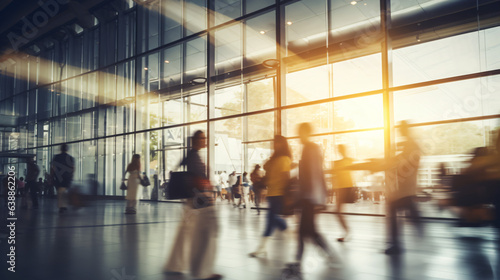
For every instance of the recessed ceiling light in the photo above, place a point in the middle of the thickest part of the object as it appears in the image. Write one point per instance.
(262, 32)
(166, 61)
(354, 2)
(145, 68)
(289, 22)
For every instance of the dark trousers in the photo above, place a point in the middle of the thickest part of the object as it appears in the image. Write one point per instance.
(408, 204)
(307, 228)
(257, 196)
(273, 218)
(32, 188)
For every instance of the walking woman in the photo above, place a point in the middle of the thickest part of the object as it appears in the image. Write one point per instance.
(133, 170)
(277, 174)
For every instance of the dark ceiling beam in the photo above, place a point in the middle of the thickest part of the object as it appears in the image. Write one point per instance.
(76, 11)
(15, 12)
(4, 4)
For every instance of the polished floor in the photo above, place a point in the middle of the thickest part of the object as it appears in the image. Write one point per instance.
(99, 242)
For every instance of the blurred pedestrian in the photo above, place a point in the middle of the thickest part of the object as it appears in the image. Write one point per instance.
(196, 239)
(343, 187)
(278, 174)
(312, 193)
(258, 186)
(61, 174)
(231, 181)
(20, 187)
(134, 177)
(245, 189)
(31, 184)
(401, 193)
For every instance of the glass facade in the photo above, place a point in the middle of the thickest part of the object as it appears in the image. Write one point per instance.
(146, 76)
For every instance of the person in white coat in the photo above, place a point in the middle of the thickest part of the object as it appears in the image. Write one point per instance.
(133, 170)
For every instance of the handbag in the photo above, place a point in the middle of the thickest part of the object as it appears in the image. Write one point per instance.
(350, 195)
(123, 186)
(291, 197)
(181, 185)
(145, 181)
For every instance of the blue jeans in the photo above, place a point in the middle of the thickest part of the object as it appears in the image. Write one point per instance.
(273, 220)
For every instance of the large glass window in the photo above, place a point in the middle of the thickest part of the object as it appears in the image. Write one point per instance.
(330, 73)
(454, 100)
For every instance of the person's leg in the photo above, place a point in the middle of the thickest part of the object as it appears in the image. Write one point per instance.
(244, 196)
(62, 198)
(204, 244)
(300, 246)
(271, 216)
(415, 215)
(304, 230)
(178, 258)
(393, 207)
(340, 203)
(270, 225)
(257, 201)
(32, 188)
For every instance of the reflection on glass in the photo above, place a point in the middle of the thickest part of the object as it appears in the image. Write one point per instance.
(226, 10)
(260, 41)
(455, 100)
(228, 101)
(195, 59)
(172, 20)
(254, 5)
(260, 95)
(448, 57)
(195, 16)
(260, 127)
(357, 75)
(228, 145)
(320, 116)
(228, 49)
(307, 85)
(195, 107)
(358, 113)
(306, 26)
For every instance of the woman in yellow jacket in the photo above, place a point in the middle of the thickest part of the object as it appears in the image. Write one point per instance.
(277, 175)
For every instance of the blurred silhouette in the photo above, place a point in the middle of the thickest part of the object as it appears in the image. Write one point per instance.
(197, 232)
(31, 184)
(345, 191)
(216, 184)
(258, 186)
(237, 192)
(232, 179)
(477, 187)
(402, 189)
(277, 176)
(224, 186)
(245, 189)
(20, 187)
(41, 187)
(61, 174)
(312, 193)
(134, 175)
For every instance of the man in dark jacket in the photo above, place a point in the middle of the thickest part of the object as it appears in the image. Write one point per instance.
(62, 170)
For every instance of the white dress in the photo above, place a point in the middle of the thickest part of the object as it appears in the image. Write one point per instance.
(133, 185)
